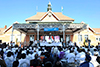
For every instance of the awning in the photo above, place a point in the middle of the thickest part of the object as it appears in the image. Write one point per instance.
(30, 27)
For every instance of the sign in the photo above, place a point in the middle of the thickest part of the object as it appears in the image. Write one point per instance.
(51, 29)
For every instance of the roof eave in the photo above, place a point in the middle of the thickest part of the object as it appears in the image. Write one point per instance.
(7, 29)
(97, 33)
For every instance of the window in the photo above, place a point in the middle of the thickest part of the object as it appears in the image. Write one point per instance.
(67, 38)
(79, 38)
(96, 39)
(12, 37)
(86, 36)
(18, 38)
(31, 37)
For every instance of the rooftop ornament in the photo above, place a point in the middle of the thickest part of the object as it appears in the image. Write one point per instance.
(49, 6)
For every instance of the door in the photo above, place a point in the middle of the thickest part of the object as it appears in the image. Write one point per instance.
(67, 38)
(31, 37)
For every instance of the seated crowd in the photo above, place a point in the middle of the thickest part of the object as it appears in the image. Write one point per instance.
(47, 56)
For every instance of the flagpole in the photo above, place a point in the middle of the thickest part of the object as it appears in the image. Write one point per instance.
(36, 9)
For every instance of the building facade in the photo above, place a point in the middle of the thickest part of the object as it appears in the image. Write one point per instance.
(50, 24)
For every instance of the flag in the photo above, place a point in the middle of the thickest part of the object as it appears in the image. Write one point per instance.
(62, 8)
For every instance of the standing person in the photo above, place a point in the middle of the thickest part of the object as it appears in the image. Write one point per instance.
(20, 44)
(71, 43)
(64, 43)
(38, 43)
(99, 48)
(94, 57)
(71, 58)
(2, 62)
(0, 43)
(23, 62)
(31, 42)
(9, 59)
(87, 62)
(48, 58)
(98, 60)
(11, 43)
(34, 43)
(35, 62)
(88, 41)
(15, 63)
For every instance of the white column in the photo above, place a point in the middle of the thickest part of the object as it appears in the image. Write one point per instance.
(25, 40)
(12, 34)
(20, 36)
(38, 32)
(63, 32)
(87, 28)
(78, 39)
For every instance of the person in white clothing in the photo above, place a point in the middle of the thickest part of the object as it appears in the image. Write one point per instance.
(78, 57)
(98, 60)
(20, 44)
(13, 43)
(71, 43)
(87, 62)
(9, 59)
(29, 55)
(34, 54)
(93, 60)
(23, 62)
(55, 50)
(82, 58)
(67, 52)
(71, 58)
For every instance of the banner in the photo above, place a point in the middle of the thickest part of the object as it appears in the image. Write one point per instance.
(51, 29)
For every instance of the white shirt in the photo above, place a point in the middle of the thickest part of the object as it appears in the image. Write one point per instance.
(19, 45)
(71, 57)
(71, 44)
(91, 65)
(58, 53)
(55, 50)
(9, 61)
(75, 50)
(93, 61)
(39, 53)
(29, 57)
(67, 52)
(13, 44)
(11, 58)
(33, 55)
(78, 56)
(23, 60)
(82, 58)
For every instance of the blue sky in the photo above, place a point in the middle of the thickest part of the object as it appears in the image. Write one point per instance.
(80, 10)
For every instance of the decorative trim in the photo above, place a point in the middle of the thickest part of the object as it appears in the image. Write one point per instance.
(47, 14)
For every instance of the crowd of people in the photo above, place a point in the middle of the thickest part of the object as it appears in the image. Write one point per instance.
(49, 56)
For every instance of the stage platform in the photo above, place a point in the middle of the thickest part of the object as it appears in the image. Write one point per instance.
(50, 44)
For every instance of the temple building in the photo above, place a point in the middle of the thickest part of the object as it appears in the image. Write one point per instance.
(50, 25)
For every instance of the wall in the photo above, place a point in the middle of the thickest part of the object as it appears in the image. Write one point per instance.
(91, 36)
(6, 37)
